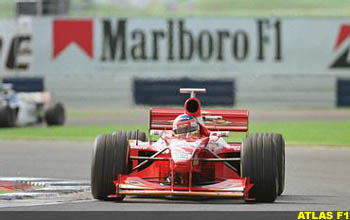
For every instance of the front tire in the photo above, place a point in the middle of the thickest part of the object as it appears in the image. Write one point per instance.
(279, 145)
(8, 117)
(259, 163)
(109, 159)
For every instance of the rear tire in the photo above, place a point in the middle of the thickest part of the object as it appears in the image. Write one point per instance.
(259, 163)
(8, 117)
(55, 115)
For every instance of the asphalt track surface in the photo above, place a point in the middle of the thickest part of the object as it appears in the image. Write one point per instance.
(317, 178)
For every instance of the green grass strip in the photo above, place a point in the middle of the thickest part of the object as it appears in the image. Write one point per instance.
(6, 191)
(244, 8)
(329, 133)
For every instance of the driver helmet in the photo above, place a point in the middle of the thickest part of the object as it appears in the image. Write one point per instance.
(184, 124)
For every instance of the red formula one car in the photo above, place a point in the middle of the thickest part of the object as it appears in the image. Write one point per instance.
(191, 157)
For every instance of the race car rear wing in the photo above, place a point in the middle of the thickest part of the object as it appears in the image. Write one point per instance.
(214, 120)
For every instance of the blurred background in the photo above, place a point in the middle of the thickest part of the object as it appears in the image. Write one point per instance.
(286, 8)
(108, 61)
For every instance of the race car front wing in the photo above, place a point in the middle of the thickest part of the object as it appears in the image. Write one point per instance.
(131, 185)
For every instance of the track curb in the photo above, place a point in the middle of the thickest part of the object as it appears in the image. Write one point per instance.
(43, 187)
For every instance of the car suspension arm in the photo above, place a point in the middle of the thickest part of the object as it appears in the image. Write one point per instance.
(150, 158)
(222, 159)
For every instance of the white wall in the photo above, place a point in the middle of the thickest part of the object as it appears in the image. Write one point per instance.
(298, 74)
(286, 91)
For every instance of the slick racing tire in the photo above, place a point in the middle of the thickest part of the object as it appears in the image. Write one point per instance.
(109, 159)
(259, 163)
(55, 115)
(279, 145)
(7, 117)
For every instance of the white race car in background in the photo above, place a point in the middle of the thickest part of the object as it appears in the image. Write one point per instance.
(28, 107)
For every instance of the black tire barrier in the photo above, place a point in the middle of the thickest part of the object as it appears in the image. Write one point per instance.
(166, 92)
(343, 92)
(26, 84)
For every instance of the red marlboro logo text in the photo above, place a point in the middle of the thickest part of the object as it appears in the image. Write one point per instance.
(343, 60)
(344, 33)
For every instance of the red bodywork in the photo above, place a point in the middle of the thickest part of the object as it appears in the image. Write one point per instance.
(201, 165)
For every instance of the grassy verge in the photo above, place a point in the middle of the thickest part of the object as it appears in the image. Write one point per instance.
(6, 191)
(329, 133)
(244, 8)
(290, 8)
(3, 191)
(76, 133)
